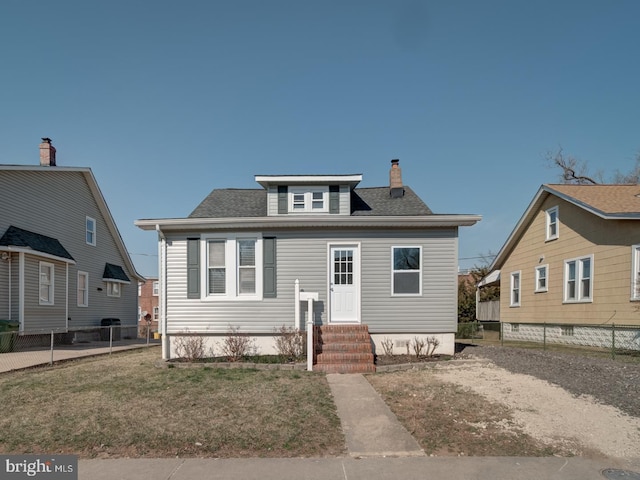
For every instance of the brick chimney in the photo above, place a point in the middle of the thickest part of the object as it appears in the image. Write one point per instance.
(47, 153)
(396, 190)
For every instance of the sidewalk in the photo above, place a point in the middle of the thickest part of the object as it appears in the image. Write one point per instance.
(371, 468)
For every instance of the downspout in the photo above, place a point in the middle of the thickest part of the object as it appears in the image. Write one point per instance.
(9, 314)
(21, 290)
(66, 316)
(162, 303)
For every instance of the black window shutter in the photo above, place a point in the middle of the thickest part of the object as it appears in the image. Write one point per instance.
(269, 287)
(193, 268)
(283, 203)
(334, 199)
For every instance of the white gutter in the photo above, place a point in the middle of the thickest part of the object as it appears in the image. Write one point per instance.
(308, 221)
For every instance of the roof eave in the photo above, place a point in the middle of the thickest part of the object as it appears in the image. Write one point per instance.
(267, 180)
(329, 221)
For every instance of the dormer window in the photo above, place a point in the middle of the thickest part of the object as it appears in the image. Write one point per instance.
(308, 199)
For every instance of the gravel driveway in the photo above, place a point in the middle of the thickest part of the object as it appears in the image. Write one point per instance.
(612, 382)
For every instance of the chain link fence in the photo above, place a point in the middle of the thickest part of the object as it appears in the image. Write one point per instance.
(617, 339)
(613, 338)
(45, 347)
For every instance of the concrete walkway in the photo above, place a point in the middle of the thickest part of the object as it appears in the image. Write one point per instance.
(370, 427)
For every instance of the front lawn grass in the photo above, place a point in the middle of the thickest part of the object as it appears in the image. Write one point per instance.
(122, 405)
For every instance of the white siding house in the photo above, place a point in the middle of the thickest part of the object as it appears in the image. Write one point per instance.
(376, 256)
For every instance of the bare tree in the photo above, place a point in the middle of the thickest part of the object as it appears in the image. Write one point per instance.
(632, 177)
(573, 170)
(576, 171)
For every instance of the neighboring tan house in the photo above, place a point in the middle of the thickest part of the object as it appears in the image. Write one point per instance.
(378, 258)
(148, 305)
(63, 264)
(573, 260)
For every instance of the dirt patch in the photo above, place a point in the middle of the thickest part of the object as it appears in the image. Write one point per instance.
(447, 419)
(548, 412)
(565, 404)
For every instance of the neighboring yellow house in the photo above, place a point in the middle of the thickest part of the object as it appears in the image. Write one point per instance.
(573, 260)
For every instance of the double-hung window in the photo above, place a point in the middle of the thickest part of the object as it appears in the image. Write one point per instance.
(156, 288)
(234, 268)
(217, 269)
(246, 262)
(406, 273)
(83, 289)
(541, 278)
(91, 231)
(552, 223)
(578, 279)
(515, 290)
(47, 283)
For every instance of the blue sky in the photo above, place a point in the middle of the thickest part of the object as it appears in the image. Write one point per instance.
(168, 100)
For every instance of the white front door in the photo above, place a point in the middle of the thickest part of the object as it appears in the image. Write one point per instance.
(344, 283)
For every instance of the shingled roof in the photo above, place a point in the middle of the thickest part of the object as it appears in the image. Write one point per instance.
(17, 237)
(236, 203)
(241, 203)
(377, 201)
(606, 199)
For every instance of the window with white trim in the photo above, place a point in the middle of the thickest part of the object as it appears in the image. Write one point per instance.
(541, 278)
(234, 268)
(406, 270)
(578, 279)
(156, 313)
(156, 288)
(217, 269)
(552, 226)
(515, 289)
(308, 199)
(246, 266)
(83, 289)
(635, 272)
(113, 289)
(90, 231)
(46, 283)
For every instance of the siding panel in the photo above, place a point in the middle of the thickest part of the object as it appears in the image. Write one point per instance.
(304, 256)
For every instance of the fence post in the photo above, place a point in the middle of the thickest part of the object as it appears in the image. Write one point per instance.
(544, 336)
(613, 341)
(51, 361)
(110, 339)
(502, 334)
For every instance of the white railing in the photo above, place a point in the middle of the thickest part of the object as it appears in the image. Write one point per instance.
(309, 297)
